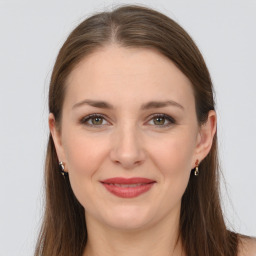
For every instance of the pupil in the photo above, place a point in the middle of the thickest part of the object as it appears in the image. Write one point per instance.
(159, 120)
(97, 120)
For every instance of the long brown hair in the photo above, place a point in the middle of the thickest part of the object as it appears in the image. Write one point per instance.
(202, 227)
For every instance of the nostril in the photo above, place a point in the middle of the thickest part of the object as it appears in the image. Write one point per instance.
(127, 153)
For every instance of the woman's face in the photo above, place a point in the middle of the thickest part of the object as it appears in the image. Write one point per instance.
(129, 113)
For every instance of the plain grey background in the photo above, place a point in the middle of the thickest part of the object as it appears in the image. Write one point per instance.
(31, 33)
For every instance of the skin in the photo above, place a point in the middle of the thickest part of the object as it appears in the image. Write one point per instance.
(130, 142)
(247, 246)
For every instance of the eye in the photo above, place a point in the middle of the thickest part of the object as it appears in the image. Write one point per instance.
(158, 120)
(162, 120)
(94, 120)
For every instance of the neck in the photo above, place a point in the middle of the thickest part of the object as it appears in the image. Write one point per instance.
(155, 240)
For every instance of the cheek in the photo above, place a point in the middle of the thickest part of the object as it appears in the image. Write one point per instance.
(83, 153)
(173, 157)
(84, 156)
(174, 153)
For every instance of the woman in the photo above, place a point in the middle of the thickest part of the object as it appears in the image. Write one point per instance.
(131, 165)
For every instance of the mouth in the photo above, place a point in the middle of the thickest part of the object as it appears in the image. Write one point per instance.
(128, 188)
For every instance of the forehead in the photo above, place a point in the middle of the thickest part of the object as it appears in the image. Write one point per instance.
(122, 75)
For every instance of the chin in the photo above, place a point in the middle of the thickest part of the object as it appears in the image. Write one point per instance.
(127, 218)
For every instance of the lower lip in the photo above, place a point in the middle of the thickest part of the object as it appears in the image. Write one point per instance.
(128, 192)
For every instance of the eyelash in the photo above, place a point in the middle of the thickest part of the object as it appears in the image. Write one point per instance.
(170, 119)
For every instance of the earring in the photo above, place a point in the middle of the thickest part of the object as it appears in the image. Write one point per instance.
(62, 169)
(196, 172)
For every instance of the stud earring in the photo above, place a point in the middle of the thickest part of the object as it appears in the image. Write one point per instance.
(196, 172)
(62, 169)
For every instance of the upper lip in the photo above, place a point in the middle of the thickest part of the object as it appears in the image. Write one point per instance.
(134, 180)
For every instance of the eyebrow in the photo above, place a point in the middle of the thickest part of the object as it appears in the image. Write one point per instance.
(148, 105)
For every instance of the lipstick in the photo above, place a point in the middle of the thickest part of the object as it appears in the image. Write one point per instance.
(128, 188)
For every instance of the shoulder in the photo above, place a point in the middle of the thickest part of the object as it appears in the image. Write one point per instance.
(247, 246)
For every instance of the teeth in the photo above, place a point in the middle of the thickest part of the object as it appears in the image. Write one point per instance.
(127, 185)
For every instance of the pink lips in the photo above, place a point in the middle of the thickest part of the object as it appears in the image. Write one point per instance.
(128, 188)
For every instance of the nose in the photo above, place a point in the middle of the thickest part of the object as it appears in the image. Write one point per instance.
(127, 149)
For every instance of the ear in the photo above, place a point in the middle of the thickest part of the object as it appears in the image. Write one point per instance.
(56, 135)
(205, 136)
